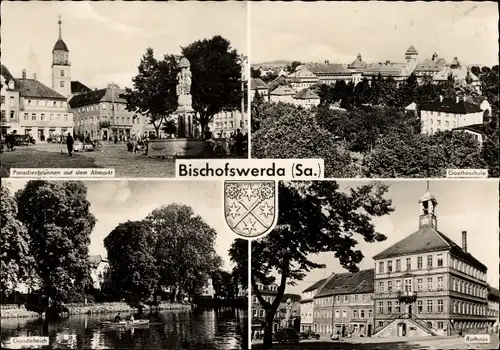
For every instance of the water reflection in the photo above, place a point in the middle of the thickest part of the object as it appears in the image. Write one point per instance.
(208, 329)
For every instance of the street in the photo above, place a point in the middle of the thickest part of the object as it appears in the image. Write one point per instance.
(116, 156)
(453, 342)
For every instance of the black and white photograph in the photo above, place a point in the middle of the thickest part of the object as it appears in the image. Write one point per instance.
(121, 265)
(394, 264)
(376, 89)
(129, 86)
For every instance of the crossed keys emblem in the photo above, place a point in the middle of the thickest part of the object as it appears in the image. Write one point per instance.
(250, 207)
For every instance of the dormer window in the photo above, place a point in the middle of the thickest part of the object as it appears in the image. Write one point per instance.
(11, 84)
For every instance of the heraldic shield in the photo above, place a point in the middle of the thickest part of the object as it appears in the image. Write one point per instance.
(250, 207)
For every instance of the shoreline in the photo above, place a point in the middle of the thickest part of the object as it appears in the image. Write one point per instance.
(13, 311)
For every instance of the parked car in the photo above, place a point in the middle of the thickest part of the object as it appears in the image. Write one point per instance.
(309, 335)
(286, 335)
(337, 336)
(77, 146)
(22, 140)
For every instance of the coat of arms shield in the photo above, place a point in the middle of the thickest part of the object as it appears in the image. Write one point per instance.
(250, 207)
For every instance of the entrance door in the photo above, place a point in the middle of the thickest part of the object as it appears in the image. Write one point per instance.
(369, 332)
(401, 329)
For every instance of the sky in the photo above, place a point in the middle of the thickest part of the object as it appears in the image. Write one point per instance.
(380, 31)
(115, 202)
(107, 39)
(463, 205)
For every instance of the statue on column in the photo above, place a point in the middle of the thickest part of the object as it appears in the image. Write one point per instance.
(184, 100)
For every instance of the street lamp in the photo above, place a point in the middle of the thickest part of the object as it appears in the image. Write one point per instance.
(242, 59)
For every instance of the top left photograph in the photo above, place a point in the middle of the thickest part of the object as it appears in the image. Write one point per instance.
(128, 86)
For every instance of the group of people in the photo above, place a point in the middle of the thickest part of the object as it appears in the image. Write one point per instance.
(119, 319)
(10, 141)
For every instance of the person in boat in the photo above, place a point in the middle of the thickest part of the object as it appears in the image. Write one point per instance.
(118, 318)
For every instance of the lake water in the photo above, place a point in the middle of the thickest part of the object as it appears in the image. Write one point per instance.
(208, 329)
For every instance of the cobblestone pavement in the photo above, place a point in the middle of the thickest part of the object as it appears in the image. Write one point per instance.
(125, 163)
(453, 342)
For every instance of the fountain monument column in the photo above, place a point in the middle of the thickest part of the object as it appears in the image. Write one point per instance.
(184, 100)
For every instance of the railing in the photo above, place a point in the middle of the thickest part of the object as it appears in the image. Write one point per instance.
(423, 324)
(390, 319)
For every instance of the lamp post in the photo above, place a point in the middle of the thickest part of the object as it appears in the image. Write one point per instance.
(242, 59)
(113, 86)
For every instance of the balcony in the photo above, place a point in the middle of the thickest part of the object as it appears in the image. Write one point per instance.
(407, 297)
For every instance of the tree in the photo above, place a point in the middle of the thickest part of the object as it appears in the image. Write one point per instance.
(216, 82)
(422, 155)
(16, 260)
(238, 254)
(293, 66)
(257, 107)
(287, 131)
(169, 128)
(314, 217)
(154, 89)
(131, 253)
(184, 251)
(57, 217)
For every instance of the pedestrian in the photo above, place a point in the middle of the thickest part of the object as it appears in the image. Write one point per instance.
(134, 143)
(69, 144)
(238, 140)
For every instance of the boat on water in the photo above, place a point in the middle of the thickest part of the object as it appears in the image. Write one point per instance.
(134, 323)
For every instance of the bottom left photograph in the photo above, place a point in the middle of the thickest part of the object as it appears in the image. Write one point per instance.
(121, 265)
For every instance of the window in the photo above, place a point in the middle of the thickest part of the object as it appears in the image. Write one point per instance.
(408, 283)
(429, 283)
(429, 261)
(389, 307)
(346, 298)
(398, 265)
(419, 262)
(440, 283)
(104, 106)
(33, 116)
(389, 266)
(362, 313)
(380, 323)
(26, 116)
(355, 297)
(12, 114)
(3, 113)
(381, 267)
(454, 284)
(440, 305)
(398, 306)
(420, 281)
(370, 313)
(455, 307)
(461, 288)
(389, 286)
(42, 116)
(419, 306)
(62, 83)
(408, 264)
(398, 285)
(344, 313)
(337, 313)
(338, 298)
(51, 117)
(363, 297)
(354, 313)
(66, 117)
(261, 313)
(440, 260)
(380, 307)
(254, 313)
(37, 102)
(3, 99)
(447, 123)
(469, 291)
(381, 287)
(429, 306)
(62, 73)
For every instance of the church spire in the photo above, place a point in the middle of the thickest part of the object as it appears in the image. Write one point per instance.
(60, 30)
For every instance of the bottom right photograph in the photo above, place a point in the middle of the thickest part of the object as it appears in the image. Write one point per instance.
(393, 264)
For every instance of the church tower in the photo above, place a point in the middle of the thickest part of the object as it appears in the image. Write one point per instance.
(428, 205)
(61, 67)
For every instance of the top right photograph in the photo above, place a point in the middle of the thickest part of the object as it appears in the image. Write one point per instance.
(377, 89)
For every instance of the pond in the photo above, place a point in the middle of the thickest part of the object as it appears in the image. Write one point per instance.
(200, 329)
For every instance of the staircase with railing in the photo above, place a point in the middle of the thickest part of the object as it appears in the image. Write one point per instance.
(390, 319)
(417, 320)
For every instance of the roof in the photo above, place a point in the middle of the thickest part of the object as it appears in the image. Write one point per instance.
(283, 91)
(450, 105)
(411, 51)
(411, 107)
(493, 294)
(78, 88)
(34, 88)
(427, 239)
(276, 82)
(257, 84)
(60, 46)
(349, 283)
(95, 260)
(459, 73)
(96, 96)
(306, 94)
(478, 128)
(357, 63)
(430, 65)
(5, 73)
(428, 196)
(327, 68)
(314, 286)
(386, 69)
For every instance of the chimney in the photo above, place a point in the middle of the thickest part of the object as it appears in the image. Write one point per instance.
(24, 73)
(464, 241)
(34, 76)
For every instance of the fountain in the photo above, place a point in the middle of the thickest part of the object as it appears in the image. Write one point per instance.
(186, 144)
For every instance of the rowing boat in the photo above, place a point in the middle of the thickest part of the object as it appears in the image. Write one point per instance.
(134, 323)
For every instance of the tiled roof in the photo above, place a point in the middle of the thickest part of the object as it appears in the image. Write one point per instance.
(450, 105)
(306, 94)
(283, 91)
(459, 73)
(426, 239)
(96, 96)
(257, 84)
(95, 260)
(5, 73)
(314, 286)
(386, 69)
(349, 283)
(34, 88)
(276, 82)
(357, 63)
(60, 46)
(411, 51)
(78, 88)
(330, 68)
(429, 65)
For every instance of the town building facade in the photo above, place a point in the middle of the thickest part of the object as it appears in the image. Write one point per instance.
(268, 292)
(227, 123)
(426, 284)
(9, 120)
(307, 305)
(100, 272)
(258, 86)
